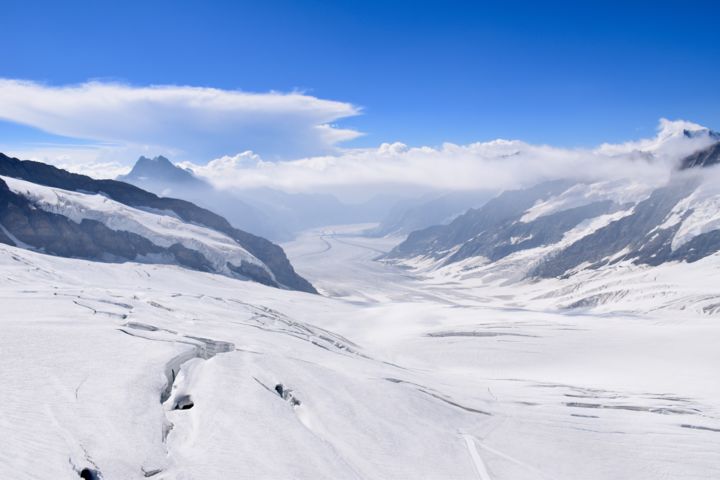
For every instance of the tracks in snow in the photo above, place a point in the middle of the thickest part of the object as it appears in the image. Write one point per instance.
(480, 467)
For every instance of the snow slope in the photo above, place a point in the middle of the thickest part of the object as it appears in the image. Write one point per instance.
(393, 376)
(161, 228)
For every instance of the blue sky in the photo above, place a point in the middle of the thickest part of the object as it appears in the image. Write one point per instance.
(562, 73)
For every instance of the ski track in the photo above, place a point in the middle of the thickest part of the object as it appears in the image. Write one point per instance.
(477, 460)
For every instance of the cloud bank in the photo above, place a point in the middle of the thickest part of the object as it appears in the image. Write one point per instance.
(186, 122)
(194, 124)
(498, 164)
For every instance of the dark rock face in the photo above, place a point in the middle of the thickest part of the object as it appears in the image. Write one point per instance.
(191, 258)
(158, 167)
(57, 235)
(637, 234)
(43, 228)
(253, 271)
(703, 158)
(699, 247)
(5, 239)
(274, 257)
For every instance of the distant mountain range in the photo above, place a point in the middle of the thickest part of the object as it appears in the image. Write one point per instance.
(50, 210)
(159, 175)
(558, 228)
(271, 213)
(554, 229)
(435, 209)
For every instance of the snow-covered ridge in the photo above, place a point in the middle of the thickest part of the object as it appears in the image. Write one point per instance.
(619, 191)
(699, 213)
(161, 229)
(558, 229)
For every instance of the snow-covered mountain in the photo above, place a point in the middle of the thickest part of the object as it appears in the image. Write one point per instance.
(432, 209)
(267, 212)
(160, 176)
(558, 228)
(145, 369)
(56, 212)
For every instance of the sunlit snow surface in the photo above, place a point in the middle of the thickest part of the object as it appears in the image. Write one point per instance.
(390, 375)
(160, 227)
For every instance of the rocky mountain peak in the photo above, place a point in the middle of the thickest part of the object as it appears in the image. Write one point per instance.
(158, 168)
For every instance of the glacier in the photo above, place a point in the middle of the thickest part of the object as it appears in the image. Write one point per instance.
(155, 371)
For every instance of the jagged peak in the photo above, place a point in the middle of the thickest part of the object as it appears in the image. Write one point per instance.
(158, 168)
(159, 159)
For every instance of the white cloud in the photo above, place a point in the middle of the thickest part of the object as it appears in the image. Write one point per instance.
(498, 164)
(195, 123)
(671, 140)
(97, 161)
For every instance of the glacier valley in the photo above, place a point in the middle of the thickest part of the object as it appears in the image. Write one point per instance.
(132, 370)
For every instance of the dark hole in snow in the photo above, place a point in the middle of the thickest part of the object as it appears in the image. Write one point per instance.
(184, 403)
(287, 394)
(89, 474)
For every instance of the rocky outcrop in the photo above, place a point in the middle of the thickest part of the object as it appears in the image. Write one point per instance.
(703, 158)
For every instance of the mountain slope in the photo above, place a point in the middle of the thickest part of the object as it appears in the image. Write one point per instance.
(559, 228)
(411, 215)
(437, 241)
(152, 169)
(702, 158)
(268, 212)
(102, 219)
(160, 176)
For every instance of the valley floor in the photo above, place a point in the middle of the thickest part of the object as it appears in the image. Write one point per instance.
(144, 371)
